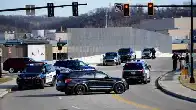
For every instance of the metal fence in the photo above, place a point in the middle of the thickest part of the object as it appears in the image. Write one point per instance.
(94, 41)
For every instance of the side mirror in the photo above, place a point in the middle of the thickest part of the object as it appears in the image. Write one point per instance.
(149, 66)
(57, 72)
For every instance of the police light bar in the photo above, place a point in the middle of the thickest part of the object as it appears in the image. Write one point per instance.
(34, 64)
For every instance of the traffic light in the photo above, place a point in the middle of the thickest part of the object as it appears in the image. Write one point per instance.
(50, 9)
(150, 9)
(75, 8)
(60, 45)
(126, 10)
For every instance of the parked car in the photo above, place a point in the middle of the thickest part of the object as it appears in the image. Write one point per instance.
(81, 82)
(126, 54)
(37, 75)
(137, 70)
(73, 65)
(147, 53)
(14, 65)
(111, 58)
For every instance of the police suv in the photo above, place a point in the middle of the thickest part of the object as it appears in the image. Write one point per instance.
(137, 70)
(37, 75)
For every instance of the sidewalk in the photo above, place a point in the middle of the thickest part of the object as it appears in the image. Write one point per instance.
(6, 87)
(169, 84)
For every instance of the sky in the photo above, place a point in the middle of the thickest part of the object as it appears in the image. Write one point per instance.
(67, 11)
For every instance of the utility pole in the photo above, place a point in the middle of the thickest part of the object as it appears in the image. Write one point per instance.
(192, 79)
(106, 18)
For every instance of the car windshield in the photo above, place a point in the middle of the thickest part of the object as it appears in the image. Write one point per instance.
(146, 50)
(33, 69)
(133, 66)
(123, 51)
(65, 64)
(111, 54)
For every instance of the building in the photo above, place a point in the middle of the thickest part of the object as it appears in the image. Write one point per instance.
(177, 28)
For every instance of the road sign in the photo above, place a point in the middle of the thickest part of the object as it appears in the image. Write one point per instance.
(31, 11)
(1, 52)
(118, 7)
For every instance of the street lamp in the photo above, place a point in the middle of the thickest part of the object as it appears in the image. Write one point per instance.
(192, 79)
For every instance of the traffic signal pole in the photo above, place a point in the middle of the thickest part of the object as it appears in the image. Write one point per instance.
(192, 79)
(33, 8)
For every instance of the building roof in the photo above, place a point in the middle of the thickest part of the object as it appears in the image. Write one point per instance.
(179, 46)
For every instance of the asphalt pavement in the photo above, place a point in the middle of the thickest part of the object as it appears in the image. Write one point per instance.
(138, 97)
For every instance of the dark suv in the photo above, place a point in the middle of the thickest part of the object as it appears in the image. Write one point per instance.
(37, 75)
(111, 58)
(73, 65)
(14, 65)
(126, 54)
(137, 70)
(147, 53)
(81, 82)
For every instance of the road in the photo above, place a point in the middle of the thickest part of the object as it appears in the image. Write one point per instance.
(138, 97)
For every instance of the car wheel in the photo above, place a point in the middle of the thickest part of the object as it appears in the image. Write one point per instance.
(11, 70)
(149, 80)
(80, 90)
(145, 80)
(42, 85)
(53, 82)
(68, 93)
(119, 88)
(20, 87)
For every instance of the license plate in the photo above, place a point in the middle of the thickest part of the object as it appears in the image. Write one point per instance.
(132, 72)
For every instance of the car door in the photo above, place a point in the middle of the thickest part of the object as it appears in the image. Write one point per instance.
(88, 78)
(147, 71)
(49, 73)
(103, 81)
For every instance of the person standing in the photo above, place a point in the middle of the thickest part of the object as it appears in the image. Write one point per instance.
(153, 53)
(187, 58)
(175, 60)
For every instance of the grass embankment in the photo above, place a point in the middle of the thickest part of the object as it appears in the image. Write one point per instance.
(5, 79)
(186, 82)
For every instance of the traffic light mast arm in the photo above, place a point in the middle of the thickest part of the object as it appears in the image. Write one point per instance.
(163, 5)
(17, 9)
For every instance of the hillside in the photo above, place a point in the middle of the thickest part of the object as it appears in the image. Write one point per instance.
(93, 19)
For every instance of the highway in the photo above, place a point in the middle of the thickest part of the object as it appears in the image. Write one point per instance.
(138, 97)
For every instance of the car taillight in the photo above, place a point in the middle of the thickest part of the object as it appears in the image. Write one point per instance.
(67, 80)
(142, 70)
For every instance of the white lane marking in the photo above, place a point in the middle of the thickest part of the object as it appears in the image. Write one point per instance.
(60, 97)
(75, 107)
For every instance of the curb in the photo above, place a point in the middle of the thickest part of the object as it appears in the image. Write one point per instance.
(186, 86)
(5, 92)
(158, 85)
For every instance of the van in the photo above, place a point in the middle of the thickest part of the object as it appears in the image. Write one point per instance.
(13, 65)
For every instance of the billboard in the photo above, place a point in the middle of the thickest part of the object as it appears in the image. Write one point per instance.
(37, 52)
